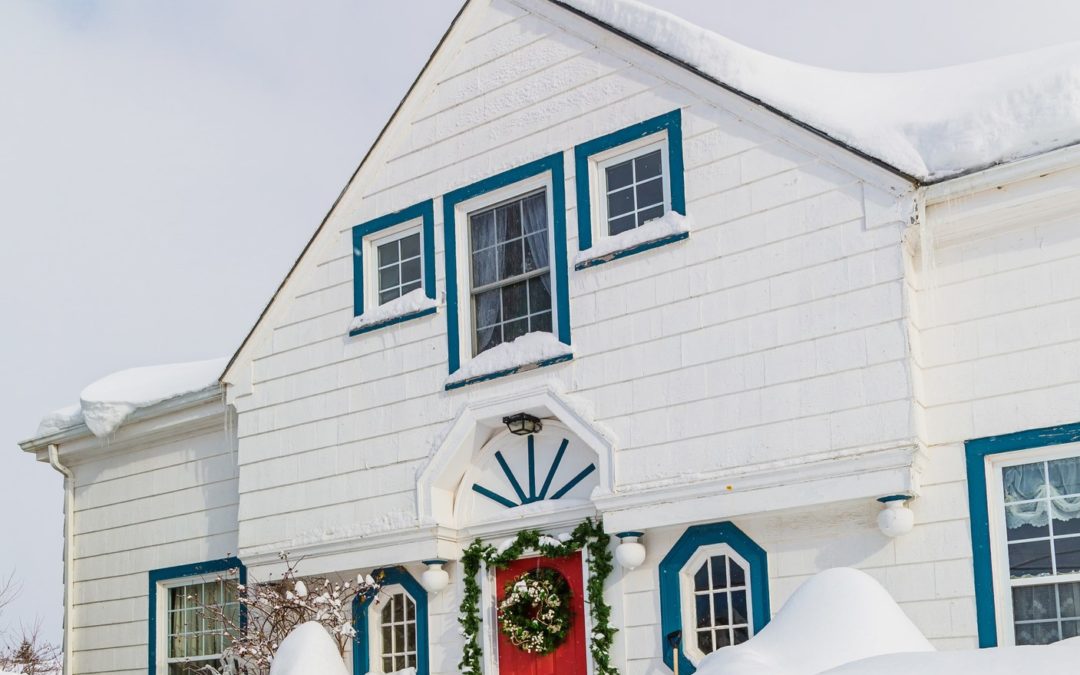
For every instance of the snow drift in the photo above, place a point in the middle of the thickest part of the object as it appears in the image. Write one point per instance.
(308, 650)
(930, 124)
(838, 616)
(105, 404)
(1053, 658)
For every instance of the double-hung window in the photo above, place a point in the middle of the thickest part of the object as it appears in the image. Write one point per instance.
(634, 185)
(511, 270)
(1037, 516)
(397, 631)
(400, 264)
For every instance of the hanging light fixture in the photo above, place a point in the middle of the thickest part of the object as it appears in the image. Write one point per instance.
(435, 578)
(523, 424)
(896, 518)
(630, 552)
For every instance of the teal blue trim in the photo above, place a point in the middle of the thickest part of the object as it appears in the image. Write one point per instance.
(671, 598)
(622, 535)
(977, 450)
(509, 371)
(392, 321)
(554, 467)
(645, 246)
(425, 211)
(493, 496)
(362, 644)
(179, 572)
(670, 122)
(532, 467)
(510, 477)
(574, 481)
(894, 498)
(551, 164)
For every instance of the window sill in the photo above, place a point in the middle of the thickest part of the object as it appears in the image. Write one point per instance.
(562, 358)
(639, 248)
(390, 321)
(672, 227)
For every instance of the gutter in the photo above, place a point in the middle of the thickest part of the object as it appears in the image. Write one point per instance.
(69, 554)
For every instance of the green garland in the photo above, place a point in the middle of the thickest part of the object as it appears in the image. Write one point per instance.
(589, 535)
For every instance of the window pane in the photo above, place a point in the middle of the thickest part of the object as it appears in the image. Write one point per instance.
(1029, 559)
(388, 276)
(650, 193)
(484, 271)
(1067, 555)
(738, 574)
(510, 259)
(408, 288)
(508, 221)
(539, 296)
(540, 322)
(399, 637)
(1034, 602)
(1066, 516)
(704, 641)
(412, 660)
(1025, 481)
(388, 664)
(620, 202)
(723, 638)
(515, 329)
(740, 635)
(483, 230)
(535, 209)
(410, 246)
(410, 607)
(388, 253)
(720, 610)
(387, 638)
(1065, 475)
(620, 225)
(386, 613)
(649, 214)
(619, 176)
(701, 578)
(1037, 633)
(719, 571)
(1069, 600)
(701, 611)
(399, 608)
(387, 296)
(648, 165)
(536, 252)
(738, 607)
(410, 270)
(1018, 529)
(1070, 629)
(515, 301)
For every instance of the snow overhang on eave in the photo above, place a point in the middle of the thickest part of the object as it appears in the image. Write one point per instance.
(175, 416)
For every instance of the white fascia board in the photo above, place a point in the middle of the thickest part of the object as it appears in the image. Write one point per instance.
(1004, 174)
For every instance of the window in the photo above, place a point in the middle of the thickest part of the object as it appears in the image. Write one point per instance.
(193, 636)
(393, 256)
(625, 179)
(392, 634)
(720, 590)
(506, 268)
(400, 264)
(1039, 514)
(511, 275)
(183, 635)
(634, 189)
(714, 588)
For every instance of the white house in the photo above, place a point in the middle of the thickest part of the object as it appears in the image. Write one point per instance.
(749, 302)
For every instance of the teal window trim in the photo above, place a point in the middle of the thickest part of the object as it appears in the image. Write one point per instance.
(552, 164)
(362, 643)
(487, 377)
(671, 589)
(644, 246)
(977, 451)
(425, 212)
(164, 574)
(671, 123)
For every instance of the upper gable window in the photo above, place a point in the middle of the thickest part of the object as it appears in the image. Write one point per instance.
(393, 268)
(630, 190)
(511, 272)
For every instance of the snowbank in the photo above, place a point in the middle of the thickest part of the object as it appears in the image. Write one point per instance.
(669, 225)
(308, 650)
(105, 404)
(410, 303)
(929, 124)
(528, 349)
(1056, 658)
(838, 616)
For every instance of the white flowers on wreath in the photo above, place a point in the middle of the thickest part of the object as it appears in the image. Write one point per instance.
(535, 615)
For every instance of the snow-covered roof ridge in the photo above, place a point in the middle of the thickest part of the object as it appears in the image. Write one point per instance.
(105, 404)
(929, 124)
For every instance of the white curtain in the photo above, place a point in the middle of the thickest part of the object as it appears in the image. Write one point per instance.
(1029, 482)
(536, 246)
(485, 270)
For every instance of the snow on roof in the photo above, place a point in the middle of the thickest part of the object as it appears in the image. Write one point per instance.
(836, 617)
(930, 124)
(105, 404)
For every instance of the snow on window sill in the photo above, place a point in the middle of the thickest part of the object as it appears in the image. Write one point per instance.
(528, 352)
(670, 228)
(412, 305)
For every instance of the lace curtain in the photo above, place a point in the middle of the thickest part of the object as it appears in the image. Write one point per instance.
(1055, 485)
(536, 242)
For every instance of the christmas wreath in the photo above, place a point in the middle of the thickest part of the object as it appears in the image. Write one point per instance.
(535, 612)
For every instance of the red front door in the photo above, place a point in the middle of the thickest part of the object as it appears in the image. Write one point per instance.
(569, 657)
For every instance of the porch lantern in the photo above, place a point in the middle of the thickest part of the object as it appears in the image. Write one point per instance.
(435, 578)
(896, 518)
(523, 424)
(630, 552)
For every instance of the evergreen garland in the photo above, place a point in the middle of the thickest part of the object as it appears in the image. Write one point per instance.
(589, 535)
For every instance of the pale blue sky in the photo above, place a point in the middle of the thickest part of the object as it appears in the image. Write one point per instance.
(163, 163)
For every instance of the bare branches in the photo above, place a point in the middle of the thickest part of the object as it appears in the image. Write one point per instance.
(29, 654)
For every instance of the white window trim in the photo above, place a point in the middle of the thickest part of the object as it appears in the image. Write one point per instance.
(598, 176)
(162, 610)
(371, 252)
(466, 329)
(999, 547)
(686, 593)
(375, 644)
